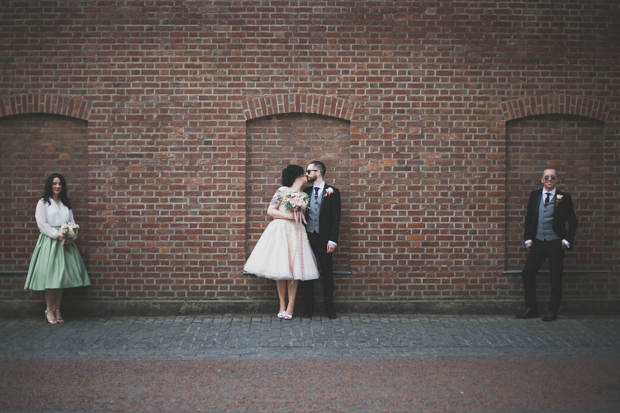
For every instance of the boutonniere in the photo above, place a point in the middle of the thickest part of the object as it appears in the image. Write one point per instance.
(328, 192)
(558, 198)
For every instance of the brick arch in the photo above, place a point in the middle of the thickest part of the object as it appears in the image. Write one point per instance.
(298, 103)
(555, 104)
(75, 107)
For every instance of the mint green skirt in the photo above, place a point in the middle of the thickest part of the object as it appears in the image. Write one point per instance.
(54, 265)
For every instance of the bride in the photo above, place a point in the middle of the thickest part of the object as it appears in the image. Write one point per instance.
(283, 252)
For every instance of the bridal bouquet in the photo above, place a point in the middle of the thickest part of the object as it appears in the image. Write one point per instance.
(69, 230)
(297, 201)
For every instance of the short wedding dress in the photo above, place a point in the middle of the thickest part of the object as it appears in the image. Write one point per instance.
(283, 251)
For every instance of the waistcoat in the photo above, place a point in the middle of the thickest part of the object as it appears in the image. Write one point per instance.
(544, 231)
(313, 212)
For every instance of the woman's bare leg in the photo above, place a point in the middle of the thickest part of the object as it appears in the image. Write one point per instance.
(49, 302)
(57, 299)
(281, 285)
(292, 292)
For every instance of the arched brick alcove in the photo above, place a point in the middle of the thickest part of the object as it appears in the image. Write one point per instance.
(74, 107)
(296, 129)
(566, 133)
(39, 134)
(298, 103)
(558, 104)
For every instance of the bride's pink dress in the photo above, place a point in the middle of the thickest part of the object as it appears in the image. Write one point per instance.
(282, 247)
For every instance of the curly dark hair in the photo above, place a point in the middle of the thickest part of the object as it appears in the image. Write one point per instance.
(290, 173)
(48, 193)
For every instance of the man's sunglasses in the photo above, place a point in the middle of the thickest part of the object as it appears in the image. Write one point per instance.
(549, 177)
(309, 171)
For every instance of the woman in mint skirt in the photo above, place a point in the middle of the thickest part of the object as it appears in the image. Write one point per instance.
(56, 262)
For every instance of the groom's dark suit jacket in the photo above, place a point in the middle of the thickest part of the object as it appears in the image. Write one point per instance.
(329, 215)
(563, 213)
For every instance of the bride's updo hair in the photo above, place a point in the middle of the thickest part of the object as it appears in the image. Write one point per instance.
(290, 173)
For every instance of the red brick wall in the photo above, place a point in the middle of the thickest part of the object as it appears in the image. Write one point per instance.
(172, 96)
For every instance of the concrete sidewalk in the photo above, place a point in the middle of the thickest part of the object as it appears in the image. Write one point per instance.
(356, 363)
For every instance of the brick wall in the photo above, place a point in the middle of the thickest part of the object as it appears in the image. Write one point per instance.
(171, 108)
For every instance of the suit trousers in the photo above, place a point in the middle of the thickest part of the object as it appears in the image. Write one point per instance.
(539, 252)
(325, 262)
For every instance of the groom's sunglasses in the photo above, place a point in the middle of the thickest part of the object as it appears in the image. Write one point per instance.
(309, 171)
(549, 177)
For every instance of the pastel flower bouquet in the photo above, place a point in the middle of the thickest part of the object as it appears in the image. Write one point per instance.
(69, 230)
(297, 203)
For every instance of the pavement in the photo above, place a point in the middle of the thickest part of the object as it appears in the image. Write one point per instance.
(356, 363)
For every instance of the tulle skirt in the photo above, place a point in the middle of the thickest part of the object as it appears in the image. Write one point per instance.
(54, 265)
(281, 253)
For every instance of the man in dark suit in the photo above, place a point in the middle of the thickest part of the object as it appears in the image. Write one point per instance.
(549, 212)
(323, 225)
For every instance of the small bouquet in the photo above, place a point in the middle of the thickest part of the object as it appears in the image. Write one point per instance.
(69, 230)
(297, 203)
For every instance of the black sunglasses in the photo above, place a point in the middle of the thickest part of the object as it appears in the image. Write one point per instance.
(549, 177)
(309, 171)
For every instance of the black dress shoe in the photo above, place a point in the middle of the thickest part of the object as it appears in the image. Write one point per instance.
(331, 314)
(550, 316)
(528, 313)
(308, 313)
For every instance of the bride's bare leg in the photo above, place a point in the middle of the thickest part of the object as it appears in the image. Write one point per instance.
(57, 299)
(292, 292)
(281, 285)
(49, 311)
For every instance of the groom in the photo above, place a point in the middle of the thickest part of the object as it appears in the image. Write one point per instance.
(323, 224)
(549, 213)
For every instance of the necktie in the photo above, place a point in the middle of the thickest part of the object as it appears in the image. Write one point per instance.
(547, 199)
(316, 191)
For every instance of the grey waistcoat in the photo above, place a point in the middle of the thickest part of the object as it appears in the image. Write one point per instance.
(313, 213)
(545, 232)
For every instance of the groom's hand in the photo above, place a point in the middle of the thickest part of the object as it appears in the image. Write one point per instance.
(330, 248)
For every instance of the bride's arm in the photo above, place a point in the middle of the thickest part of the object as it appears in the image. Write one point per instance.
(273, 211)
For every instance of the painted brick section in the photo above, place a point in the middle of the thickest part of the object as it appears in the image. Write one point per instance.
(436, 119)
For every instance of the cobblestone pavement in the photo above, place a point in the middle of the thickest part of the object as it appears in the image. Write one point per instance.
(357, 363)
(363, 336)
